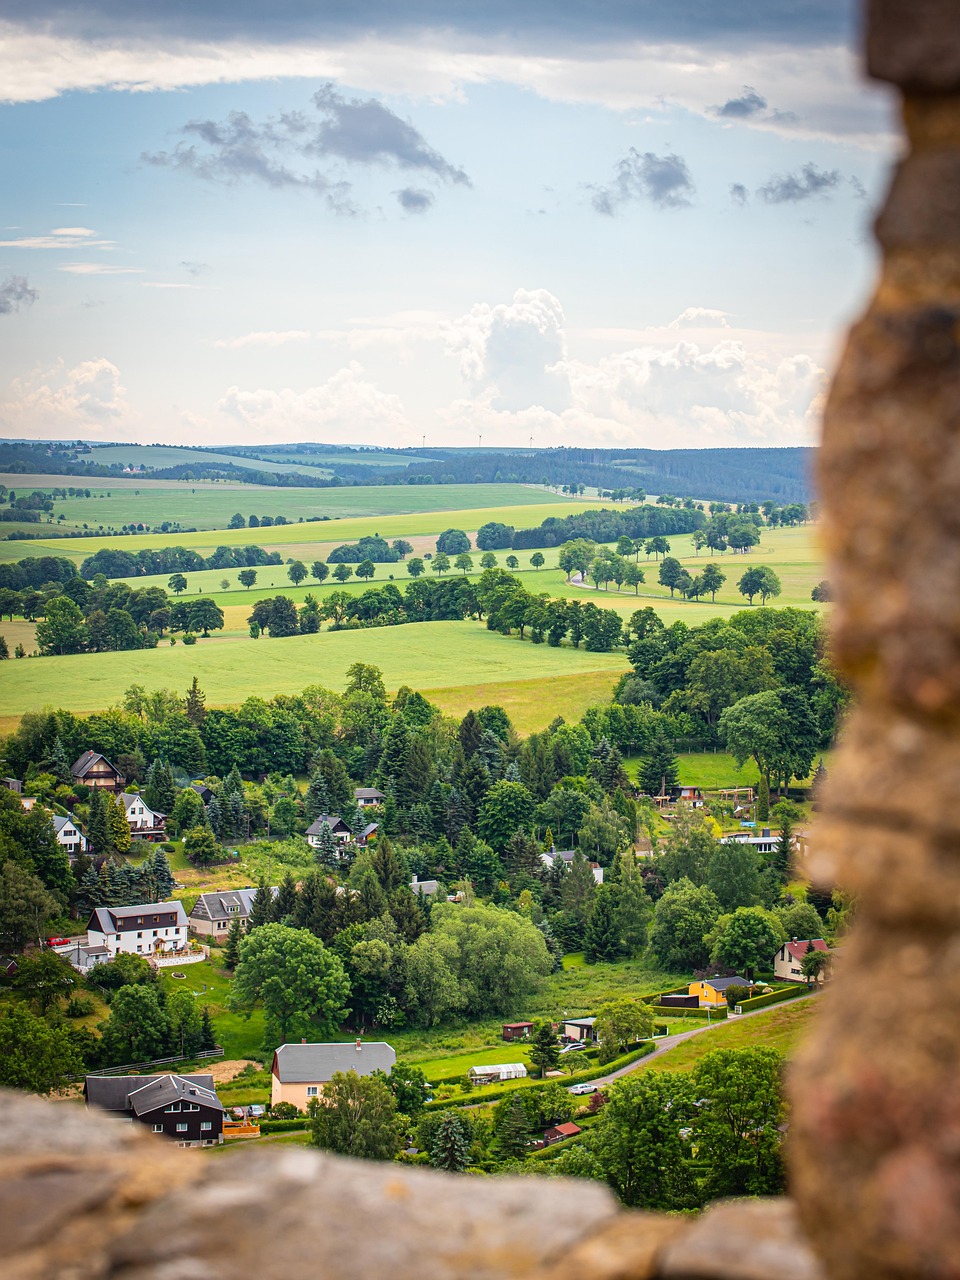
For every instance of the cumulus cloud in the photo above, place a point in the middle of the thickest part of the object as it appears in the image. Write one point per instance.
(87, 397)
(511, 352)
(750, 103)
(15, 292)
(739, 194)
(263, 338)
(347, 407)
(700, 318)
(807, 183)
(279, 151)
(663, 180)
(415, 200)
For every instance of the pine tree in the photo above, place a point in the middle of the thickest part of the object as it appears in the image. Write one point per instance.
(602, 936)
(450, 1147)
(261, 907)
(406, 913)
(470, 734)
(163, 876)
(317, 907)
(634, 908)
(215, 817)
(388, 867)
(522, 855)
(160, 791)
(285, 902)
(511, 1127)
(393, 761)
(783, 852)
(231, 948)
(196, 707)
(339, 786)
(325, 851)
(58, 763)
(120, 837)
(763, 800)
(372, 900)
(317, 799)
(208, 1037)
(512, 773)
(658, 770)
(98, 823)
(389, 818)
(89, 892)
(545, 1048)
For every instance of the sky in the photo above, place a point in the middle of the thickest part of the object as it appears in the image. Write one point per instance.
(633, 223)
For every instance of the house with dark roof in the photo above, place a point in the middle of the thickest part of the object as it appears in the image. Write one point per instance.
(185, 1109)
(426, 887)
(151, 928)
(214, 912)
(366, 796)
(711, 992)
(12, 784)
(338, 829)
(69, 836)
(203, 791)
(95, 770)
(549, 856)
(83, 956)
(300, 1071)
(578, 1029)
(788, 962)
(145, 823)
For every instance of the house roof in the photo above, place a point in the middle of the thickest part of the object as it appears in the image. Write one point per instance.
(162, 1090)
(569, 1129)
(110, 919)
(368, 830)
(59, 822)
(130, 799)
(216, 905)
(721, 984)
(429, 887)
(331, 820)
(579, 1022)
(316, 1063)
(798, 948)
(112, 1093)
(86, 762)
(368, 793)
(508, 1025)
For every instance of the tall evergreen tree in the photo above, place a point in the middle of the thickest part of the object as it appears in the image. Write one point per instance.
(450, 1146)
(339, 786)
(763, 800)
(470, 734)
(658, 769)
(511, 1127)
(160, 791)
(98, 822)
(325, 851)
(208, 1037)
(634, 908)
(602, 936)
(420, 772)
(317, 799)
(261, 908)
(782, 859)
(393, 760)
(58, 764)
(388, 867)
(284, 904)
(317, 908)
(120, 837)
(196, 705)
(89, 892)
(215, 817)
(231, 947)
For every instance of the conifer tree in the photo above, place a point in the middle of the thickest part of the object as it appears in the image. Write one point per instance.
(470, 734)
(512, 772)
(325, 851)
(215, 817)
(602, 937)
(763, 800)
(545, 1048)
(372, 899)
(231, 947)
(339, 787)
(261, 907)
(658, 770)
(285, 902)
(163, 877)
(522, 855)
(58, 764)
(317, 799)
(783, 852)
(196, 706)
(388, 867)
(208, 1037)
(89, 892)
(450, 1147)
(160, 791)
(406, 913)
(634, 908)
(98, 822)
(317, 907)
(120, 837)
(511, 1127)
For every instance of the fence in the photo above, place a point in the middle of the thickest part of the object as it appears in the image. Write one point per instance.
(216, 1052)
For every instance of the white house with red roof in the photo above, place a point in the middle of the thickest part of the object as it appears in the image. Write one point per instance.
(788, 962)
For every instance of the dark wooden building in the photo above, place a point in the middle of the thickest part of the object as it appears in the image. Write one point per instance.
(95, 770)
(185, 1109)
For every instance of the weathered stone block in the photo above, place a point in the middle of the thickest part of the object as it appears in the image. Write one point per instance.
(914, 43)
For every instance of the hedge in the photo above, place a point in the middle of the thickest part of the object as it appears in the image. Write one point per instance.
(667, 1011)
(579, 1077)
(284, 1126)
(772, 997)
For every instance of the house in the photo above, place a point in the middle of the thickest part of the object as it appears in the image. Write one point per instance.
(82, 956)
(549, 856)
(144, 822)
(692, 796)
(12, 784)
(184, 1108)
(339, 829)
(214, 912)
(578, 1029)
(517, 1030)
(560, 1131)
(203, 791)
(151, 928)
(427, 887)
(95, 770)
(765, 842)
(788, 962)
(711, 992)
(366, 796)
(503, 1071)
(69, 835)
(27, 802)
(300, 1071)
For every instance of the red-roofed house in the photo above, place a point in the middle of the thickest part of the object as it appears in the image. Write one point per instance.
(788, 962)
(559, 1132)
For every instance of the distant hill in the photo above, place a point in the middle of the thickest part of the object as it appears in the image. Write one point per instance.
(723, 475)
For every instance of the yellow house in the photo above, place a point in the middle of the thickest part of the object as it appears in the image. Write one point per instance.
(300, 1071)
(711, 992)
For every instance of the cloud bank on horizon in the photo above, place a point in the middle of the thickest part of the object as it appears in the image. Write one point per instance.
(634, 222)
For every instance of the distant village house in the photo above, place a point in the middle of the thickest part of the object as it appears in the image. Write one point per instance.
(185, 1109)
(300, 1071)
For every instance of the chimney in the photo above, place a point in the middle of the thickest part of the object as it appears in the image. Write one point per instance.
(359, 1045)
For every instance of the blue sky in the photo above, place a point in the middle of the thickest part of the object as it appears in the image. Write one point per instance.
(619, 224)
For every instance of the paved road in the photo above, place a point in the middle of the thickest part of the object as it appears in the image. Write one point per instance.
(671, 1042)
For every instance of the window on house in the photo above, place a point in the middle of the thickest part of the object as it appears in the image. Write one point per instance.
(311, 1090)
(174, 1106)
(158, 1128)
(139, 935)
(206, 1124)
(183, 1127)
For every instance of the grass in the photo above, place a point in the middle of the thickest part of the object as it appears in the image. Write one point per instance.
(780, 1029)
(425, 655)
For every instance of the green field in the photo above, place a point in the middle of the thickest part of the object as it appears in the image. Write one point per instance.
(205, 505)
(780, 1029)
(426, 656)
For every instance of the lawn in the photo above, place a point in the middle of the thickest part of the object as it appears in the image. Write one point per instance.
(780, 1029)
(240, 1037)
(424, 655)
(710, 770)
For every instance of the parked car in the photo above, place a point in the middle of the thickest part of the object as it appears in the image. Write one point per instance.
(580, 1089)
(256, 1111)
(572, 1048)
(237, 1113)
(58, 942)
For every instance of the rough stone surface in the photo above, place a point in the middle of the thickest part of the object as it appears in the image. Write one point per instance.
(628, 1248)
(875, 1133)
(743, 1240)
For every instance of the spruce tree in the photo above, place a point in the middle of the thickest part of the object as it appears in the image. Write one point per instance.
(317, 907)
(658, 769)
(58, 763)
(325, 850)
(339, 786)
(89, 892)
(450, 1146)
(215, 817)
(317, 799)
(406, 913)
(511, 1127)
(372, 900)
(120, 837)
(470, 734)
(231, 947)
(782, 859)
(634, 909)
(545, 1048)
(602, 936)
(163, 876)
(98, 823)
(763, 800)
(388, 867)
(208, 1037)
(261, 907)
(512, 772)
(160, 791)
(284, 904)
(196, 706)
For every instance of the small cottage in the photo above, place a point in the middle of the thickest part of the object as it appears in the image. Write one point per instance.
(578, 1029)
(183, 1108)
(144, 822)
(95, 770)
(366, 796)
(711, 992)
(788, 962)
(517, 1030)
(300, 1071)
(69, 835)
(559, 1132)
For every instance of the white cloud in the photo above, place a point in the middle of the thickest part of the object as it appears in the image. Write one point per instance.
(87, 397)
(161, 284)
(700, 318)
(818, 90)
(265, 338)
(98, 269)
(346, 408)
(61, 238)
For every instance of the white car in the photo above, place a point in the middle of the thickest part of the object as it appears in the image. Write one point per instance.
(579, 1089)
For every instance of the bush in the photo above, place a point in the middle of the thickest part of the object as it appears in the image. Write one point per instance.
(773, 997)
(284, 1111)
(666, 1011)
(80, 1007)
(736, 995)
(283, 1126)
(189, 638)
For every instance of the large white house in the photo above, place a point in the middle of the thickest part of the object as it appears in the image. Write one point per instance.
(69, 835)
(151, 928)
(143, 820)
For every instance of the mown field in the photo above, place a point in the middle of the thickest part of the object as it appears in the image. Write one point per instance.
(209, 506)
